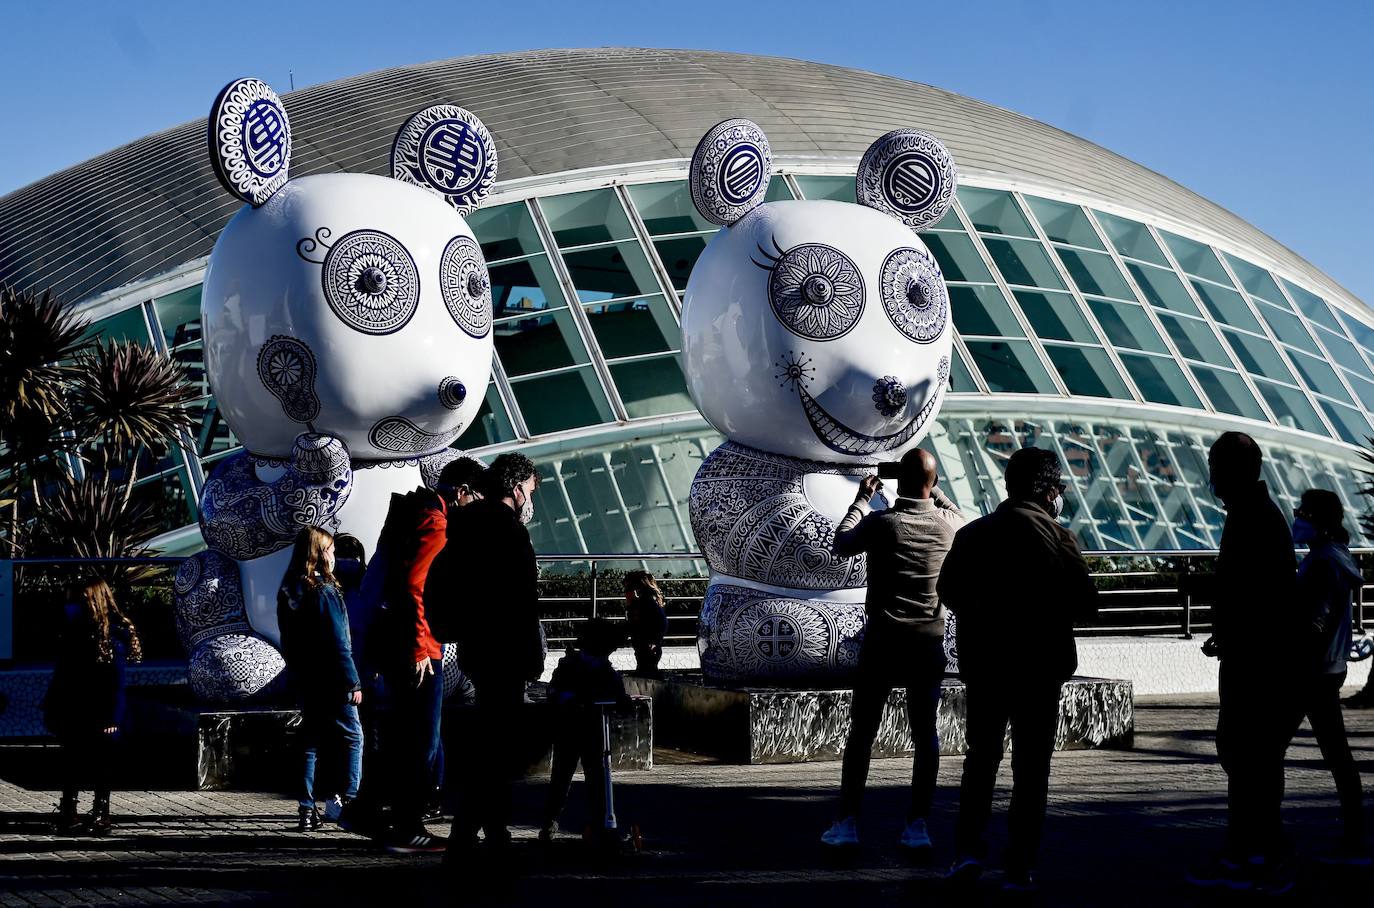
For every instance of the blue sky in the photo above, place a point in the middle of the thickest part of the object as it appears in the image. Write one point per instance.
(1263, 107)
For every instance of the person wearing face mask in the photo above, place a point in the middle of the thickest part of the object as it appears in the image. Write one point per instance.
(500, 646)
(1327, 580)
(319, 660)
(1258, 640)
(1017, 584)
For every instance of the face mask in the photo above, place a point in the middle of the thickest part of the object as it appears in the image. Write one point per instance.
(527, 509)
(1303, 531)
(1057, 506)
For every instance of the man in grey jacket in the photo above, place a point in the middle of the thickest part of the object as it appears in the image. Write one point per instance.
(904, 640)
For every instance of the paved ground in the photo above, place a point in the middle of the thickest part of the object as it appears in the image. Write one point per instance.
(1123, 825)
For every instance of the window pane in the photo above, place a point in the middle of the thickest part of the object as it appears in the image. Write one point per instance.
(1055, 316)
(667, 208)
(1010, 367)
(537, 343)
(580, 218)
(179, 315)
(1363, 334)
(948, 221)
(959, 260)
(1350, 423)
(1064, 223)
(1024, 262)
(1226, 306)
(994, 211)
(607, 272)
(1095, 273)
(567, 400)
(961, 379)
(1290, 407)
(1259, 357)
(1288, 328)
(1344, 353)
(1312, 306)
(983, 310)
(1127, 325)
(209, 432)
(1131, 238)
(1256, 280)
(838, 189)
(525, 286)
(1194, 338)
(679, 255)
(632, 327)
(1195, 258)
(490, 426)
(1088, 372)
(1319, 377)
(1364, 390)
(127, 325)
(778, 191)
(1163, 288)
(652, 387)
(1228, 392)
(1160, 381)
(505, 231)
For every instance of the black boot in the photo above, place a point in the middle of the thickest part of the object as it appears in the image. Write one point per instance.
(309, 819)
(99, 822)
(66, 822)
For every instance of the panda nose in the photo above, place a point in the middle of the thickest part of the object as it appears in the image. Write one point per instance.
(373, 280)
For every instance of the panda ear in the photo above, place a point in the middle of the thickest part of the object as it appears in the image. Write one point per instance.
(448, 151)
(730, 171)
(910, 175)
(250, 140)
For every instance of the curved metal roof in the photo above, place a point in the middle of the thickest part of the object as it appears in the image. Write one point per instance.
(155, 203)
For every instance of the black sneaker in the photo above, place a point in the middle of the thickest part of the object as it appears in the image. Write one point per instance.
(965, 869)
(1274, 877)
(415, 842)
(1222, 873)
(1018, 881)
(308, 819)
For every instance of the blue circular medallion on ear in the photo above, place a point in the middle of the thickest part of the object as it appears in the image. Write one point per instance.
(730, 171)
(910, 175)
(250, 140)
(447, 150)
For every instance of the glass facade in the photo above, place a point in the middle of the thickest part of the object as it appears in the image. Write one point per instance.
(1052, 301)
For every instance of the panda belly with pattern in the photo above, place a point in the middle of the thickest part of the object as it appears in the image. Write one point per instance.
(817, 339)
(346, 318)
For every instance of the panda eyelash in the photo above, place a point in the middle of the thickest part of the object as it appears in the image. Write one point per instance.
(772, 259)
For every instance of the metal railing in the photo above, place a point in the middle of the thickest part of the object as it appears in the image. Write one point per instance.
(1143, 593)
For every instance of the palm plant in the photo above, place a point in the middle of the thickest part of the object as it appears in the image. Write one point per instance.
(129, 397)
(90, 518)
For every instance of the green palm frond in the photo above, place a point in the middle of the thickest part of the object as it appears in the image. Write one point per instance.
(39, 338)
(129, 395)
(90, 518)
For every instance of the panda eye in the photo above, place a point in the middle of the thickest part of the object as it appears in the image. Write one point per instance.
(816, 290)
(465, 286)
(914, 295)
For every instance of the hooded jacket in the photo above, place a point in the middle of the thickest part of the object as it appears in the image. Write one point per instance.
(316, 642)
(1253, 619)
(392, 599)
(1017, 583)
(1327, 580)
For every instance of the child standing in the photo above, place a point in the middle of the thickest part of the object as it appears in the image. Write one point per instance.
(84, 706)
(647, 620)
(583, 679)
(318, 650)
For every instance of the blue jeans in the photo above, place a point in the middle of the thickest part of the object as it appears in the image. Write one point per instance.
(335, 728)
(416, 713)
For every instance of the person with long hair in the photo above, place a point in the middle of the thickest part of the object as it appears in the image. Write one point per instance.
(319, 657)
(647, 620)
(1327, 580)
(84, 706)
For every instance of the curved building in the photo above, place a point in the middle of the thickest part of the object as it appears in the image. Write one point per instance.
(1102, 309)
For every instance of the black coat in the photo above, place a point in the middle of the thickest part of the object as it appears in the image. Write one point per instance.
(85, 695)
(491, 582)
(1255, 617)
(1017, 583)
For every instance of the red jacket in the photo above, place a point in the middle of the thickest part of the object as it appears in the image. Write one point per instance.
(429, 535)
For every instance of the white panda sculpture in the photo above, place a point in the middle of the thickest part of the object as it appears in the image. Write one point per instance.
(817, 339)
(347, 328)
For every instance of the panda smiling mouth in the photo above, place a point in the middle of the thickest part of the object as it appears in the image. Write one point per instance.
(842, 439)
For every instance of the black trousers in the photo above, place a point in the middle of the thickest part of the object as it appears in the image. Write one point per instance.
(415, 717)
(1255, 724)
(88, 761)
(1321, 705)
(577, 736)
(488, 767)
(894, 658)
(1032, 708)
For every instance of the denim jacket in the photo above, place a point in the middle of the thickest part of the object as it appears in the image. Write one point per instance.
(316, 642)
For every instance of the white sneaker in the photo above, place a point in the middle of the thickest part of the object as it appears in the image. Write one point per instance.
(915, 835)
(843, 834)
(333, 809)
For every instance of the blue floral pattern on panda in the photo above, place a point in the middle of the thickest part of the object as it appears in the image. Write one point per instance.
(244, 517)
(250, 140)
(234, 668)
(750, 635)
(914, 295)
(730, 170)
(401, 436)
(816, 290)
(449, 151)
(910, 175)
(286, 368)
(465, 286)
(209, 599)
